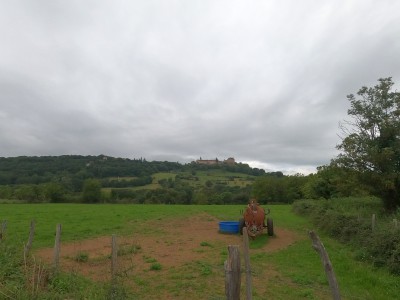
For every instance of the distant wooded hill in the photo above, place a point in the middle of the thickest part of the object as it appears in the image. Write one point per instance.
(41, 169)
(75, 178)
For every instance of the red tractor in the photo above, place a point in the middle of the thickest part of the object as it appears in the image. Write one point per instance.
(254, 220)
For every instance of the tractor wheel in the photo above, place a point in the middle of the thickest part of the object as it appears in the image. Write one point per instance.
(270, 227)
(241, 225)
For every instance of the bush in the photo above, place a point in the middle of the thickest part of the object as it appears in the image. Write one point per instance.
(349, 221)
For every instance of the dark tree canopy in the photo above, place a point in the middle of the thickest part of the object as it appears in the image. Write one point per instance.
(371, 145)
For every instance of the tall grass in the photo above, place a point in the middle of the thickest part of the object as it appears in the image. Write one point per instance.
(349, 220)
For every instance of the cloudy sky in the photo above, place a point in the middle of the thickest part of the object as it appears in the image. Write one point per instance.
(262, 81)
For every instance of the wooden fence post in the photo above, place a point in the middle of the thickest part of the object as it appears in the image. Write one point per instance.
(57, 247)
(3, 229)
(232, 273)
(114, 254)
(247, 263)
(395, 224)
(319, 247)
(373, 222)
(28, 245)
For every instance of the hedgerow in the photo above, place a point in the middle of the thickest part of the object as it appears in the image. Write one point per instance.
(349, 220)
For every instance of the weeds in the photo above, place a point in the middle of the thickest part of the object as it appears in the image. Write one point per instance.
(205, 244)
(155, 266)
(149, 259)
(349, 221)
(37, 276)
(205, 268)
(128, 249)
(81, 257)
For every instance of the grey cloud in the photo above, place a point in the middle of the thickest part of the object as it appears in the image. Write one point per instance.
(264, 82)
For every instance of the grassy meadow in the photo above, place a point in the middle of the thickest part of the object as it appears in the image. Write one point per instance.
(294, 272)
(196, 180)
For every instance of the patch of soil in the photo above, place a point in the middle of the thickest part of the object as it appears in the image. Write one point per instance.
(170, 243)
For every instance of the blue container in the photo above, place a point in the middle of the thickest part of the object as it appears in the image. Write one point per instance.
(229, 226)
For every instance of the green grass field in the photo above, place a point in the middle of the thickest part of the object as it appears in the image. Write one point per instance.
(294, 272)
(196, 181)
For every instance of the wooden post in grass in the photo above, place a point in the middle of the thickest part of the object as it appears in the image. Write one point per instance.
(57, 247)
(232, 273)
(373, 222)
(395, 224)
(319, 247)
(114, 254)
(28, 245)
(247, 263)
(3, 229)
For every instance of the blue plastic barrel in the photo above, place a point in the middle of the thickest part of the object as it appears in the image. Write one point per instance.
(229, 226)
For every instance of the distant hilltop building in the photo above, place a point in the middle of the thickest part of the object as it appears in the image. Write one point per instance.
(229, 161)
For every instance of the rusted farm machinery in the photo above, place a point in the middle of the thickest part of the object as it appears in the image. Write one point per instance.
(254, 220)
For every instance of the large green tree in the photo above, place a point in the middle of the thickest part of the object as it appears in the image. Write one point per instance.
(371, 142)
(91, 191)
(275, 187)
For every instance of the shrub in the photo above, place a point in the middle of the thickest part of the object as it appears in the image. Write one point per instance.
(348, 220)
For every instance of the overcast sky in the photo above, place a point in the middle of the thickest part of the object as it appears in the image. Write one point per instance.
(262, 81)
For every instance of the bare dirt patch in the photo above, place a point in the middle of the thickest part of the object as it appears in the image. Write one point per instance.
(166, 243)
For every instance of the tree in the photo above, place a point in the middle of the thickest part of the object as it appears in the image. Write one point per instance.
(6, 192)
(54, 192)
(268, 189)
(91, 191)
(371, 145)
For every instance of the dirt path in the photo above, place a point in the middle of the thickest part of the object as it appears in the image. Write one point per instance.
(171, 244)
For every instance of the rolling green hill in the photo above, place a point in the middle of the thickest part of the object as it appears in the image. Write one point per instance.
(63, 178)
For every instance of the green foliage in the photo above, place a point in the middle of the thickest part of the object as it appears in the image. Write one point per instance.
(65, 179)
(286, 189)
(123, 183)
(205, 244)
(91, 191)
(6, 192)
(117, 291)
(82, 257)
(73, 286)
(205, 268)
(302, 265)
(371, 145)
(333, 182)
(128, 249)
(30, 193)
(54, 192)
(349, 221)
(10, 263)
(178, 189)
(155, 266)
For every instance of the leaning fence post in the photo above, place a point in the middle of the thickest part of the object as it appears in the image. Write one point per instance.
(232, 273)
(3, 229)
(30, 239)
(57, 247)
(247, 263)
(114, 254)
(319, 247)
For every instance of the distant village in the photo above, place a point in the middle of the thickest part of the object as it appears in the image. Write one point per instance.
(216, 161)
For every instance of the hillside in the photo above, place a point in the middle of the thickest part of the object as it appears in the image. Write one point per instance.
(63, 178)
(39, 169)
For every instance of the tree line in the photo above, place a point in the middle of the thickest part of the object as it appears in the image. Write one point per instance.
(75, 178)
